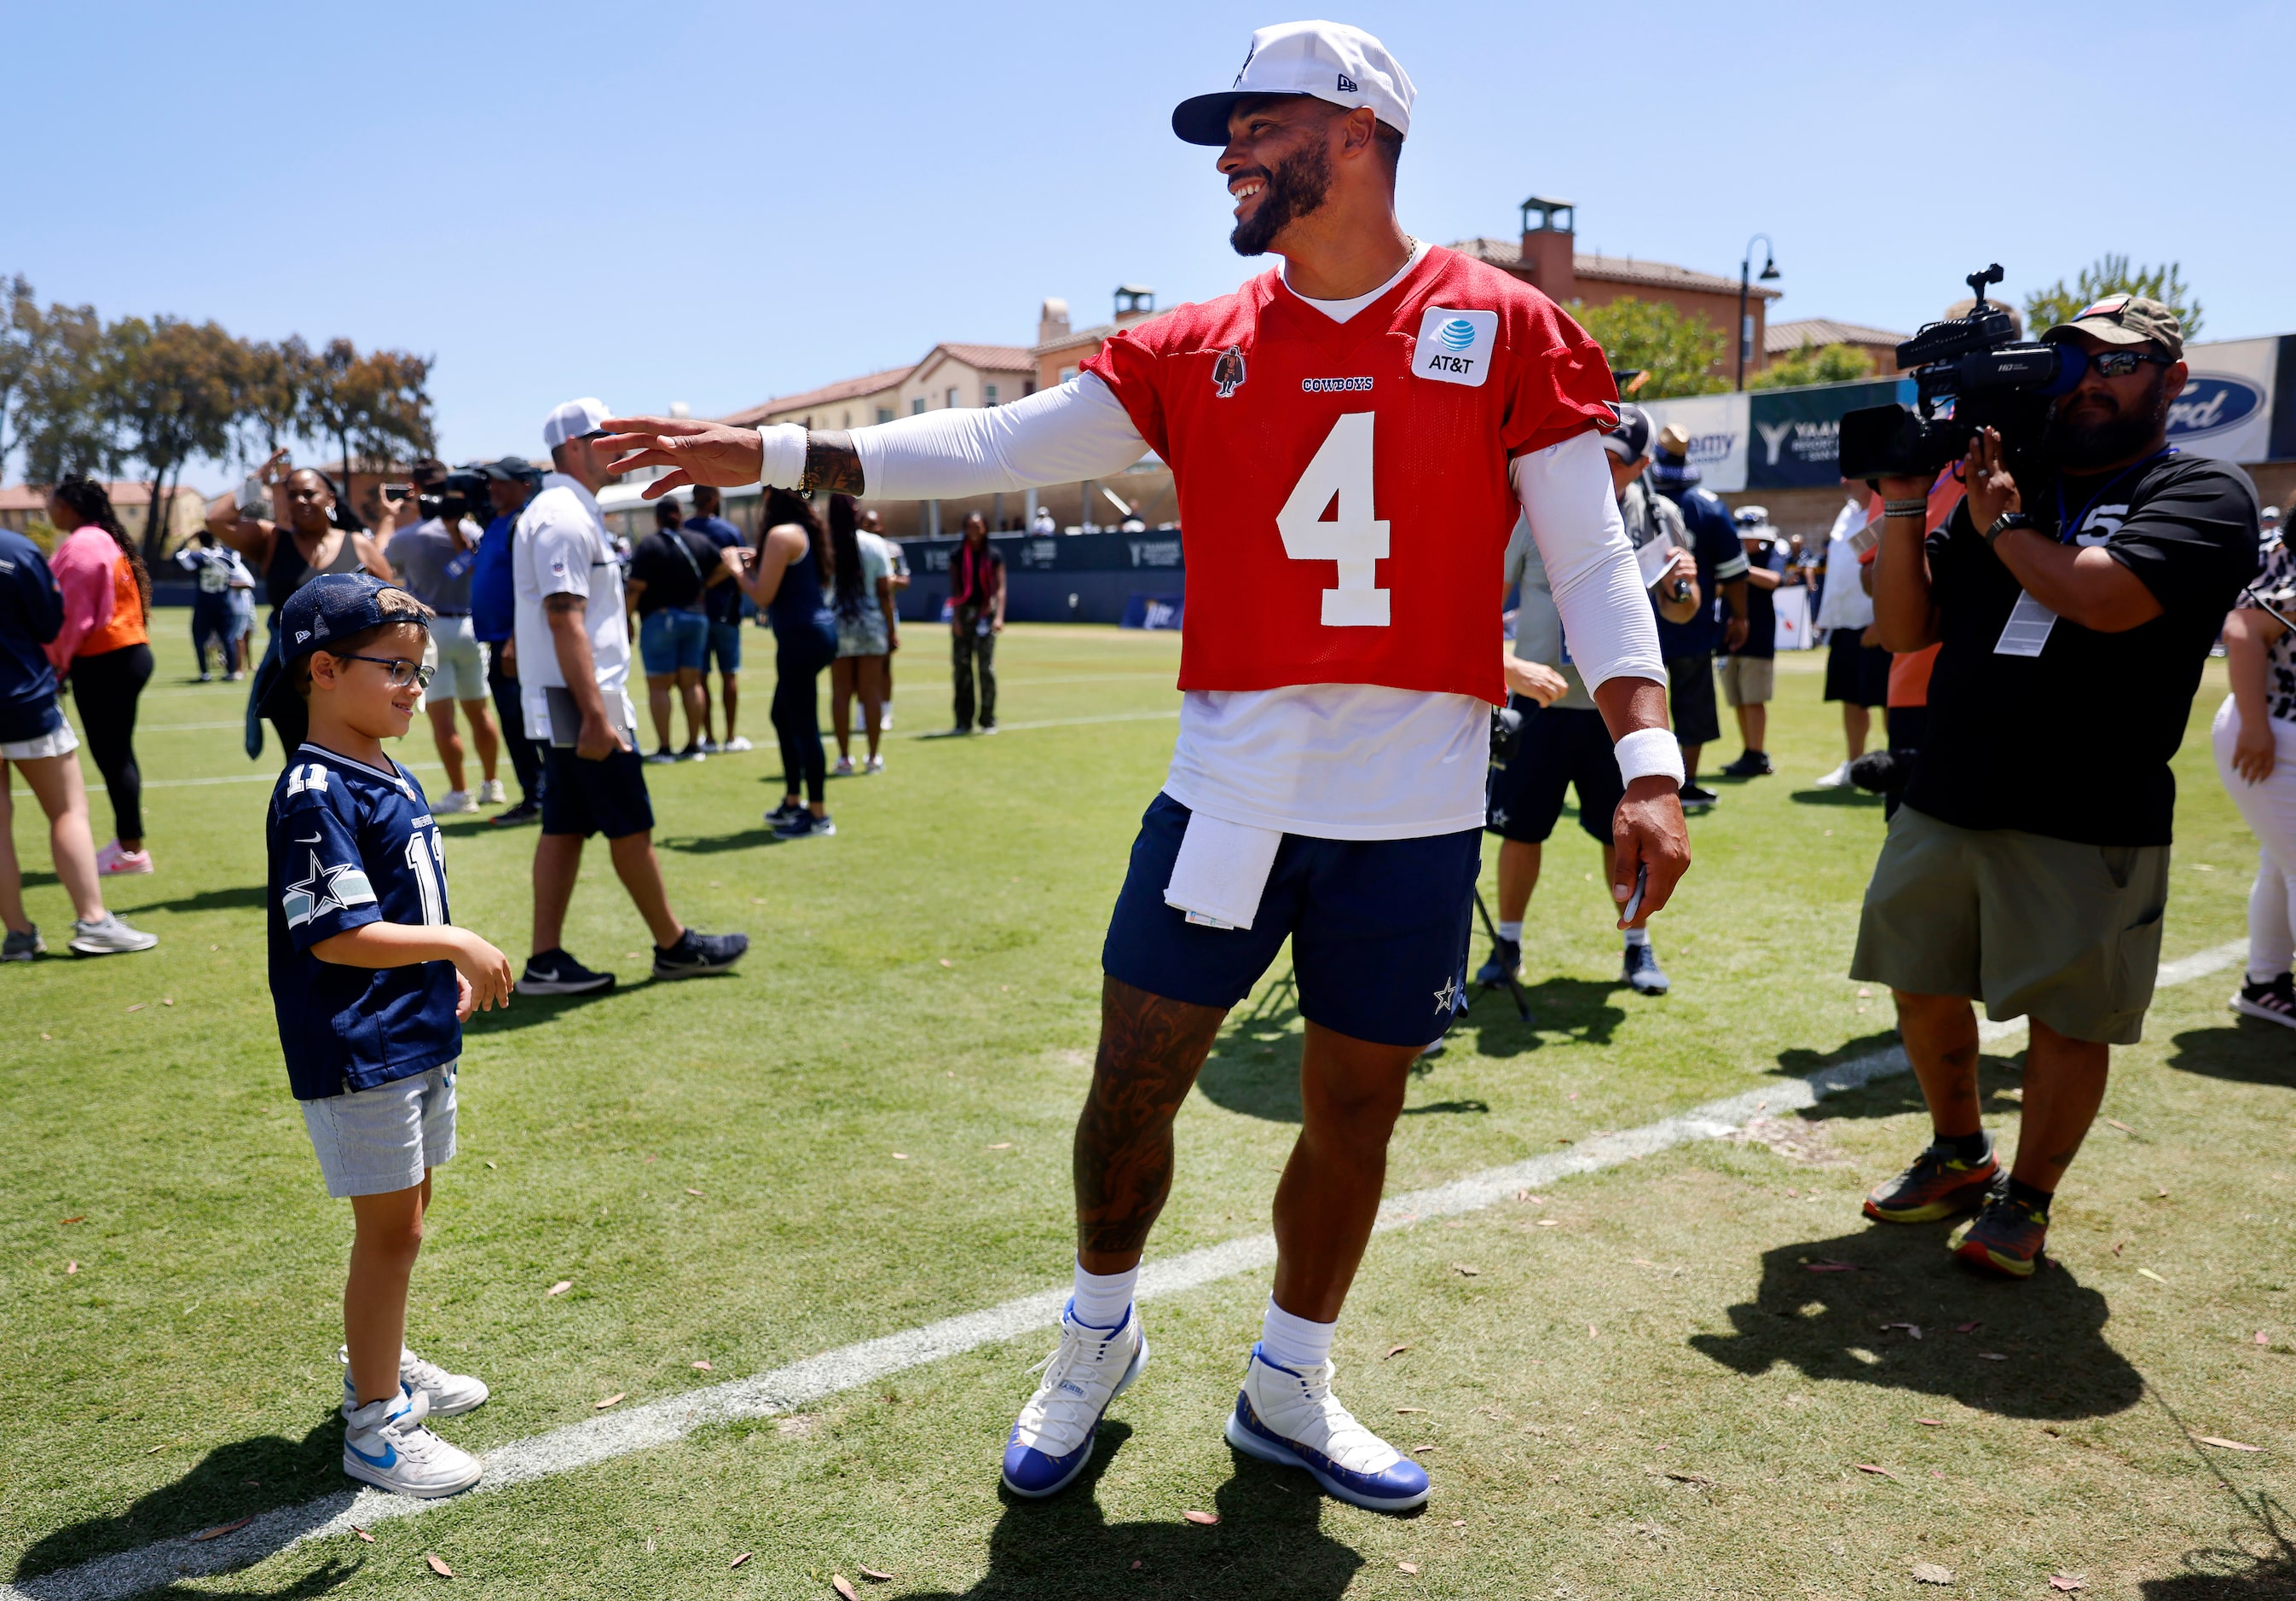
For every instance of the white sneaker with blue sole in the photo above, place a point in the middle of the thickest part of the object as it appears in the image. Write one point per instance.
(1052, 1441)
(386, 1445)
(1290, 1416)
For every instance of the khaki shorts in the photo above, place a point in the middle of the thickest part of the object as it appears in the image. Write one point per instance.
(2067, 934)
(1748, 681)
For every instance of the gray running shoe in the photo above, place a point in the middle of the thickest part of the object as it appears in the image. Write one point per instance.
(24, 946)
(109, 936)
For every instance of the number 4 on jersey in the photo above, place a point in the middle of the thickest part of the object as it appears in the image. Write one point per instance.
(1339, 478)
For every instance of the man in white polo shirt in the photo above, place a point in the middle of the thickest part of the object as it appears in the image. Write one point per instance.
(574, 663)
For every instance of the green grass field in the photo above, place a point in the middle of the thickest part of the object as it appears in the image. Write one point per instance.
(1640, 1390)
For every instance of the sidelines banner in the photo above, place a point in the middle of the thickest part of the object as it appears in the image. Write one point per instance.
(1797, 443)
(2226, 410)
(1716, 427)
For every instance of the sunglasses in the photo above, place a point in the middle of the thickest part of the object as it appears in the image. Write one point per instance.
(402, 672)
(2120, 364)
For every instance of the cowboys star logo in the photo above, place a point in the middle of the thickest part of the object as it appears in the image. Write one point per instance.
(325, 889)
(1447, 999)
(1227, 372)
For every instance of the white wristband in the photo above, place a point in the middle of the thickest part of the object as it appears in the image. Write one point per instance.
(783, 445)
(1648, 753)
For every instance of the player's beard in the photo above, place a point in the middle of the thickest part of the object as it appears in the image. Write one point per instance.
(2084, 447)
(1295, 189)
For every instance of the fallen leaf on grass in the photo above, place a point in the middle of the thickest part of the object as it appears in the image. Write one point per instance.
(1400, 1409)
(946, 963)
(1421, 1450)
(1465, 1271)
(438, 1564)
(156, 1450)
(839, 1582)
(561, 1287)
(1990, 1356)
(900, 1156)
(1827, 1264)
(1002, 1144)
(874, 1576)
(1963, 1328)
(704, 1366)
(1928, 1572)
(71, 1267)
(2162, 1194)
(738, 1561)
(1931, 1423)
(1459, 1523)
(1206, 1518)
(220, 1530)
(2117, 1123)
(2148, 1273)
(167, 1000)
(1550, 1222)
(609, 1401)
(81, 1218)
(138, 1006)
(2262, 1338)
(1700, 1480)
(1914, 1329)
(692, 1191)
(363, 1534)
(2063, 1581)
(1136, 1564)
(1397, 1350)
(1867, 1467)
(2230, 1445)
(1407, 1567)
(491, 1164)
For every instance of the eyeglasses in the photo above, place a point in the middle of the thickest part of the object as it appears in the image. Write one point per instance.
(402, 673)
(2120, 364)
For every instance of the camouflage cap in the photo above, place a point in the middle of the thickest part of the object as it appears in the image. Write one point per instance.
(2126, 319)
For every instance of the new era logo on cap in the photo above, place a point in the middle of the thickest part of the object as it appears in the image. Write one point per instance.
(1331, 60)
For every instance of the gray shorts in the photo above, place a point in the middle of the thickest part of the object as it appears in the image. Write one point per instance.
(372, 1142)
(2067, 934)
(460, 660)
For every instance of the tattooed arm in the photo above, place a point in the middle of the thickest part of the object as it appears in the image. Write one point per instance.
(1150, 1049)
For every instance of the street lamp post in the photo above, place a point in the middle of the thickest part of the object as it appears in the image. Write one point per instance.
(1745, 273)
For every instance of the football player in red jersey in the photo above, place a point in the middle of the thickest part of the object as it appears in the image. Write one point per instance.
(1352, 436)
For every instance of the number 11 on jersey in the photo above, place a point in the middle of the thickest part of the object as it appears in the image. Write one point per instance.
(1339, 478)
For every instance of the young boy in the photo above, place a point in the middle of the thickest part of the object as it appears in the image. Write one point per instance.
(371, 984)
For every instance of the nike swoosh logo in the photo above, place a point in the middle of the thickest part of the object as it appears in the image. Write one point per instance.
(389, 1458)
(312, 840)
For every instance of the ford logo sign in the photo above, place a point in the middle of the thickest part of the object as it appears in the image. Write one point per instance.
(2213, 403)
(1457, 334)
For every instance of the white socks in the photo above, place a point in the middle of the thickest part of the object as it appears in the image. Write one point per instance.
(1294, 1342)
(1101, 1297)
(1510, 930)
(1638, 936)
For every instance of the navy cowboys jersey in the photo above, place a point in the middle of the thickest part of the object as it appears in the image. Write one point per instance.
(352, 844)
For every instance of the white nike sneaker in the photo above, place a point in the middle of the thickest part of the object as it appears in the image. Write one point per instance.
(109, 936)
(737, 745)
(441, 1394)
(491, 793)
(454, 801)
(1837, 779)
(386, 1445)
(1052, 1441)
(1292, 1417)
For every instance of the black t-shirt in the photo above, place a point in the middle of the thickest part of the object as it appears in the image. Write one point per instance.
(1761, 604)
(2074, 743)
(673, 564)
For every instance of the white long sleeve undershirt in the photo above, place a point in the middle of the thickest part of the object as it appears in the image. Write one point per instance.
(1328, 760)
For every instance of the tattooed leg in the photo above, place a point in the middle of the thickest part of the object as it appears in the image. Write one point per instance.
(831, 463)
(1940, 1036)
(2064, 1086)
(1150, 1049)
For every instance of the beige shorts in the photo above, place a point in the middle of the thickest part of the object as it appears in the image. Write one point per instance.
(2067, 934)
(1747, 680)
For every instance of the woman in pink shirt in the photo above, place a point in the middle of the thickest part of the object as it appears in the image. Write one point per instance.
(102, 645)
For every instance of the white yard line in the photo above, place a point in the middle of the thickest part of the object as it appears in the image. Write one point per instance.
(817, 1378)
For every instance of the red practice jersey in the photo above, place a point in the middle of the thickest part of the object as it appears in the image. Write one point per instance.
(1344, 494)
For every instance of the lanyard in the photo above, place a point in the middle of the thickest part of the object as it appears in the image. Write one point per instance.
(2066, 531)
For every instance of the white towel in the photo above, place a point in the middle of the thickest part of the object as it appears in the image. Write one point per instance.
(1221, 871)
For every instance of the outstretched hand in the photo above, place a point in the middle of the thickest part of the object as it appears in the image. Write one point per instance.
(696, 452)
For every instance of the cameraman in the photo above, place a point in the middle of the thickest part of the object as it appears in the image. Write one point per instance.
(1564, 741)
(2030, 863)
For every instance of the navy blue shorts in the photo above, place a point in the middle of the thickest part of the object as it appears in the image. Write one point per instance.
(1378, 930)
(605, 797)
(1562, 747)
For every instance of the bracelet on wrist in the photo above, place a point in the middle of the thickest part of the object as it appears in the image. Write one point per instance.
(1906, 508)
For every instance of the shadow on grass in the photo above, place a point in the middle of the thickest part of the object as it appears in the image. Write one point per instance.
(532, 1011)
(231, 1482)
(2048, 1359)
(1269, 1542)
(2000, 1081)
(1580, 1008)
(2259, 1557)
(711, 844)
(2249, 1052)
(1844, 796)
(239, 898)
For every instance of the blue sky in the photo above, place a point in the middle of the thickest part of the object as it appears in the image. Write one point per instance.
(719, 202)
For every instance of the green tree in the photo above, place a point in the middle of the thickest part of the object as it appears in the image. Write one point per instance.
(277, 379)
(19, 320)
(372, 407)
(64, 424)
(1678, 352)
(174, 390)
(2111, 275)
(1814, 364)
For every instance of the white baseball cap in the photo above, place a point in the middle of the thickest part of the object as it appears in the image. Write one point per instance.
(572, 420)
(1331, 60)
